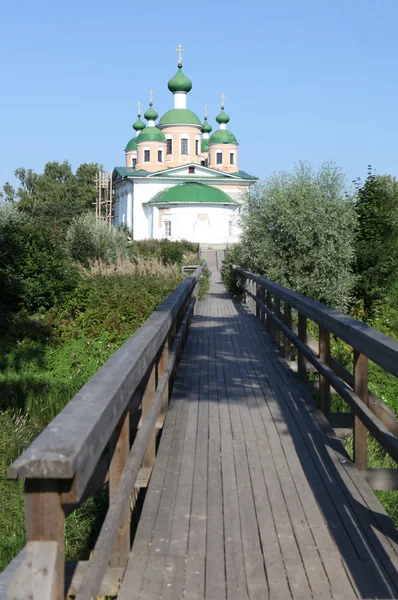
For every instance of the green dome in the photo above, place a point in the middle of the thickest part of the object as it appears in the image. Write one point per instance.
(180, 83)
(179, 116)
(222, 117)
(132, 145)
(222, 136)
(206, 127)
(191, 193)
(151, 114)
(139, 125)
(204, 146)
(151, 134)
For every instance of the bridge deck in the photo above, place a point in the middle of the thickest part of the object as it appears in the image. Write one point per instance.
(252, 496)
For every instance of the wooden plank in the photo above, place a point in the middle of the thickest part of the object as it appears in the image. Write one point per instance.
(44, 522)
(74, 441)
(324, 355)
(382, 479)
(75, 573)
(32, 575)
(149, 458)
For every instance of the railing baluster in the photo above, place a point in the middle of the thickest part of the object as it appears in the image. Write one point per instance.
(262, 298)
(360, 431)
(121, 549)
(149, 459)
(258, 295)
(287, 319)
(44, 521)
(269, 321)
(324, 355)
(277, 331)
(302, 334)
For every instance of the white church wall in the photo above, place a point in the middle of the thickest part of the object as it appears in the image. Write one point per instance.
(123, 204)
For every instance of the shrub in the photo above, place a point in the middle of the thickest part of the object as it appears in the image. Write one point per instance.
(88, 239)
(299, 230)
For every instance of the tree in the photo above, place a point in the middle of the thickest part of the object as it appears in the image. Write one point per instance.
(299, 230)
(57, 195)
(377, 242)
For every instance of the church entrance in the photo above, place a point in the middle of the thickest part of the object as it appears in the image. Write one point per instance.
(202, 230)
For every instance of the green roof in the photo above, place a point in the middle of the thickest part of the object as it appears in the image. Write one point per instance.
(222, 136)
(191, 193)
(204, 146)
(151, 134)
(178, 116)
(132, 145)
(151, 114)
(138, 125)
(222, 117)
(180, 83)
(130, 172)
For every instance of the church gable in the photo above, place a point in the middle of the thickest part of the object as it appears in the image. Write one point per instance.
(190, 169)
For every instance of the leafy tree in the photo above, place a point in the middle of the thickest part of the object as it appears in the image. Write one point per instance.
(299, 230)
(377, 242)
(57, 195)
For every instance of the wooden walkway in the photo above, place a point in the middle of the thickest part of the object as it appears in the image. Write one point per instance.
(252, 495)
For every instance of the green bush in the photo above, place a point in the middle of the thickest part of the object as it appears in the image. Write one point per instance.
(88, 239)
(168, 251)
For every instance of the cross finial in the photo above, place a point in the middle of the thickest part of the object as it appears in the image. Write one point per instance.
(139, 108)
(151, 97)
(180, 50)
(223, 96)
(205, 109)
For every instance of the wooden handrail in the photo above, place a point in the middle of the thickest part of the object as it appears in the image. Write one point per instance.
(367, 343)
(60, 465)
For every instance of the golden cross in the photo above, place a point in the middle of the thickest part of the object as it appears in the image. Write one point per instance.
(150, 96)
(180, 50)
(205, 109)
(223, 96)
(139, 108)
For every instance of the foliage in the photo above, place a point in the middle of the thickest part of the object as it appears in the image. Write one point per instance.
(57, 195)
(377, 241)
(235, 255)
(35, 272)
(299, 230)
(168, 251)
(88, 239)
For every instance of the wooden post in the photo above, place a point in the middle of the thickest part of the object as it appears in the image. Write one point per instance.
(121, 549)
(162, 364)
(360, 431)
(262, 298)
(324, 355)
(277, 332)
(258, 295)
(149, 458)
(269, 306)
(287, 319)
(44, 521)
(302, 334)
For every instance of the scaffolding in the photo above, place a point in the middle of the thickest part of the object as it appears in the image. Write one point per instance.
(104, 197)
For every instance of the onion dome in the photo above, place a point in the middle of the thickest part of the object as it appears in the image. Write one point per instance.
(180, 83)
(222, 136)
(132, 145)
(179, 116)
(139, 125)
(151, 134)
(151, 114)
(207, 128)
(222, 118)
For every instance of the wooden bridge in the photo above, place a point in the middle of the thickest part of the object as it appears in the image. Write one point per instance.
(249, 492)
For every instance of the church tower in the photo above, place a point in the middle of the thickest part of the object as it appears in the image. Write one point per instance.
(151, 143)
(131, 148)
(223, 146)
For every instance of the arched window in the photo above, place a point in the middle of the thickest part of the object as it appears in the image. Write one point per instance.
(219, 158)
(133, 162)
(169, 142)
(232, 158)
(160, 155)
(184, 145)
(197, 146)
(147, 155)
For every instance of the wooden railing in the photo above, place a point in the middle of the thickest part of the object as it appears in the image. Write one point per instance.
(273, 304)
(87, 444)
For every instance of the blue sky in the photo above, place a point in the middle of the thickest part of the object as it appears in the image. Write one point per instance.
(308, 80)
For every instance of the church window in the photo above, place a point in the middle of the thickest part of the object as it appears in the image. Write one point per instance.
(160, 156)
(133, 162)
(147, 155)
(184, 146)
(167, 228)
(196, 146)
(169, 146)
(219, 158)
(191, 170)
(232, 158)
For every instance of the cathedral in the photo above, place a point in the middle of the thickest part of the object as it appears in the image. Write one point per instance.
(181, 181)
